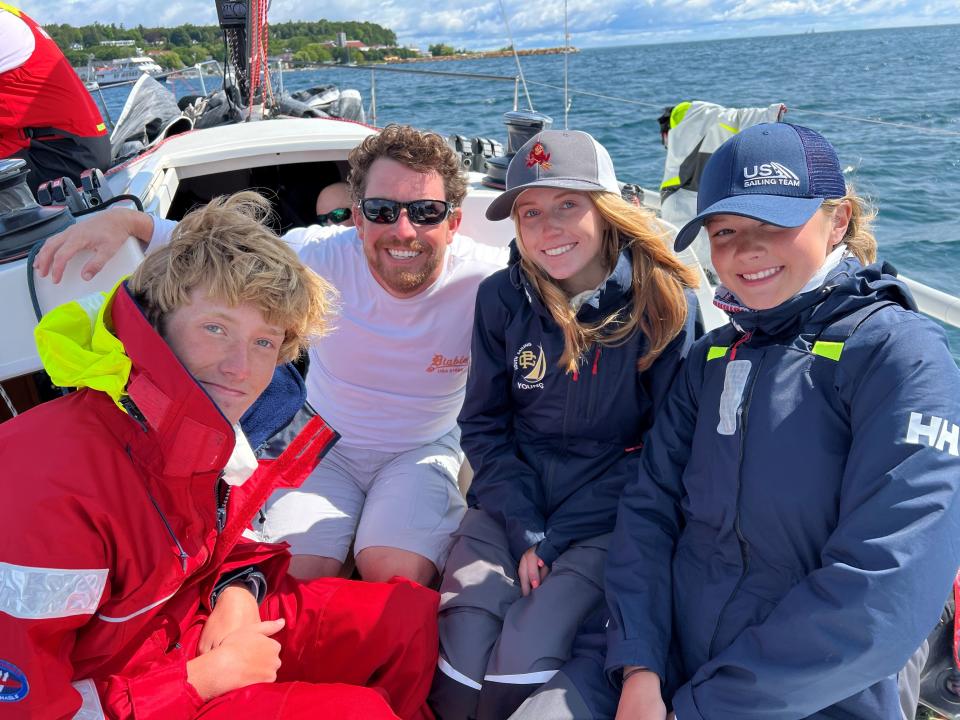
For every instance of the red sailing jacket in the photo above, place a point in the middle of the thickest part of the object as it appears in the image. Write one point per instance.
(44, 92)
(111, 547)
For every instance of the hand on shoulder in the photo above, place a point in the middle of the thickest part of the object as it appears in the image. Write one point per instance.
(103, 233)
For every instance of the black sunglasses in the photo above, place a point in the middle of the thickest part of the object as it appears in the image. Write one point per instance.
(334, 217)
(420, 212)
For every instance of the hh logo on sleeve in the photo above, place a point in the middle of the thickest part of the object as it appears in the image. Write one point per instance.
(935, 432)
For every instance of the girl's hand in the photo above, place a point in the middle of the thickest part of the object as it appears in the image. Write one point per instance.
(531, 571)
(640, 698)
(236, 608)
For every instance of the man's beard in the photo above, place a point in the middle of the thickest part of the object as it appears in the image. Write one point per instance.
(401, 280)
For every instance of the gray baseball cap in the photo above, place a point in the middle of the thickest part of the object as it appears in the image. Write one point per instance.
(566, 159)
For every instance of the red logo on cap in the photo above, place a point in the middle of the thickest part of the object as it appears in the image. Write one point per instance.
(538, 156)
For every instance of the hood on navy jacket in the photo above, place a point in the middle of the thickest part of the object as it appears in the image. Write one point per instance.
(794, 527)
(552, 450)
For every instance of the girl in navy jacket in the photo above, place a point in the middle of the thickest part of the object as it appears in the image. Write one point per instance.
(793, 530)
(574, 347)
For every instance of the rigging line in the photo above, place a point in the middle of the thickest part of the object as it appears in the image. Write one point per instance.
(599, 95)
(902, 126)
(566, 75)
(516, 57)
(854, 118)
(8, 401)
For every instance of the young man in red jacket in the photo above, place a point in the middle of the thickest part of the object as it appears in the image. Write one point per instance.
(127, 589)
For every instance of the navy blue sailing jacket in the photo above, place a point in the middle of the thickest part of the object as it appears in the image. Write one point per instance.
(552, 450)
(795, 526)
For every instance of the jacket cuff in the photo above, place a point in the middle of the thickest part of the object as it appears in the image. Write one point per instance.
(251, 577)
(522, 540)
(621, 653)
(684, 705)
(164, 693)
(547, 552)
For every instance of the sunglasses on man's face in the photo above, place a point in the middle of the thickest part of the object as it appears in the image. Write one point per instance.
(420, 212)
(334, 217)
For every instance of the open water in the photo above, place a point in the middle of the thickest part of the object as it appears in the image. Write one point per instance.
(907, 81)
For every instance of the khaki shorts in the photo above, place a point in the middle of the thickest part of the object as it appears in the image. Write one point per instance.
(407, 500)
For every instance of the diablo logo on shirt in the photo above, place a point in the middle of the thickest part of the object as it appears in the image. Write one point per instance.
(13, 683)
(442, 364)
(531, 364)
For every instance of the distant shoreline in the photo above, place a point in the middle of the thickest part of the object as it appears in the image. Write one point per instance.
(487, 54)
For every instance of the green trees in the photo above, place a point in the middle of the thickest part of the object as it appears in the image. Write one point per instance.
(189, 44)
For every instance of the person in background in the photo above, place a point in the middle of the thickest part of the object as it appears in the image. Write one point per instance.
(334, 205)
(574, 347)
(793, 529)
(47, 117)
(129, 587)
(390, 377)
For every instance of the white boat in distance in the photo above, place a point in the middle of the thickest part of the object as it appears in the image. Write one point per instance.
(125, 70)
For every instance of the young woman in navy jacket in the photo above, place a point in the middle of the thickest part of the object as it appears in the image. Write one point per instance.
(574, 346)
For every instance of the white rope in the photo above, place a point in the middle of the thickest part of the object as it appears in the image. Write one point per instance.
(516, 57)
(902, 126)
(598, 95)
(8, 401)
(566, 77)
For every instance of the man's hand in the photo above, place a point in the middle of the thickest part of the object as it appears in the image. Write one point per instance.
(531, 571)
(236, 608)
(246, 656)
(640, 698)
(103, 233)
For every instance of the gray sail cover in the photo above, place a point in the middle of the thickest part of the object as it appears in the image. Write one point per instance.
(149, 115)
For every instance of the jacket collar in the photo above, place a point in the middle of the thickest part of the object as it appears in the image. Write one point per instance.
(191, 434)
(846, 288)
(105, 343)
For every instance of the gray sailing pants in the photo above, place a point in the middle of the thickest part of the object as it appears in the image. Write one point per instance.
(496, 646)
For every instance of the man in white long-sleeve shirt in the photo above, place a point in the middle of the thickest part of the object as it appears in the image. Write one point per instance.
(391, 377)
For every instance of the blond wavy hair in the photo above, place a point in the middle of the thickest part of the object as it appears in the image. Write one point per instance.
(226, 247)
(658, 308)
(418, 150)
(859, 236)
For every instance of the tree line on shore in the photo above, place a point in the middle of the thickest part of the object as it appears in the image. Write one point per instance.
(189, 44)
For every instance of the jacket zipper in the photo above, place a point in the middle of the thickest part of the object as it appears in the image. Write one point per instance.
(741, 540)
(222, 496)
(743, 339)
(181, 553)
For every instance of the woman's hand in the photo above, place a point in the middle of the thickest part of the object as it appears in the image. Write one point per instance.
(640, 698)
(531, 571)
(236, 608)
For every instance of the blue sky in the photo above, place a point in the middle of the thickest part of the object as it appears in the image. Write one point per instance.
(478, 24)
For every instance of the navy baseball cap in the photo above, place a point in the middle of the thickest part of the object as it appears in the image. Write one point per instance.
(776, 173)
(564, 159)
